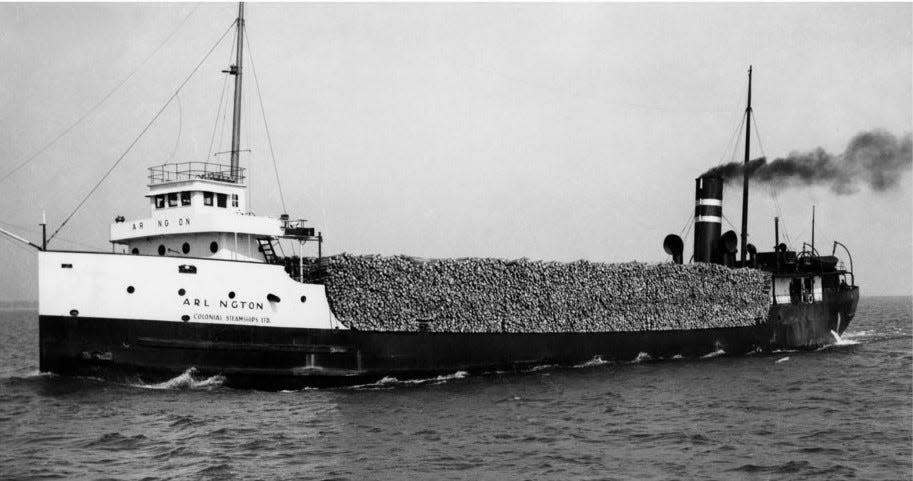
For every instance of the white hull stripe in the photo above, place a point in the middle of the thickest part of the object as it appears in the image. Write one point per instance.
(708, 218)
(714, 202)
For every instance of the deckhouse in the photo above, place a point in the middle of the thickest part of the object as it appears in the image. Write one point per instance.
(199, 209)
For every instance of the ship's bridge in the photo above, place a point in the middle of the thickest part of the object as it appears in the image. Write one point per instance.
(198, 209)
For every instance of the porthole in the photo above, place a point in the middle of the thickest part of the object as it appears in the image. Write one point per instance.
(181, 291)
(185, 248)
(135, 251)
(231, 295)
(130, 289)
(304, 298)
(213, 247)
(185, 318)
(161, 250)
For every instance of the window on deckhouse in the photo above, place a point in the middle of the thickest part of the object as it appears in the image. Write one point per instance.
(160, 202)
(185, 198)
(173, 199)
(222, 200)
(207, 198)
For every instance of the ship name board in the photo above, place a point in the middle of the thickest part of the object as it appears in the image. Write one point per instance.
(227, 304)
(231, 318)
(163, 223)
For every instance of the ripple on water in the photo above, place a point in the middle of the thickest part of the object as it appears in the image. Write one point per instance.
(115, 441)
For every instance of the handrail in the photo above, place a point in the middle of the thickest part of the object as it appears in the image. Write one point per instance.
(814, 253)
(813, 250)
(834, 251)
(174, 172)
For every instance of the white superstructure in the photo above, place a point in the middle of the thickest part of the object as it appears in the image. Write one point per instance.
(199, 257)
(197, 209)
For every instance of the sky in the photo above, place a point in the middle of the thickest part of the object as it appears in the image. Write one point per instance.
(547, 131)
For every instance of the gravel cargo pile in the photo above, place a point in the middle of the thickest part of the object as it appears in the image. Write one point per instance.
(493, 295)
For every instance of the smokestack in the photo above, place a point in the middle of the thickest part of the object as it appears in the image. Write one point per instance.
(708, 219)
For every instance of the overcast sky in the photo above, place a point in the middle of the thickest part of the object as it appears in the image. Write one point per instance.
(555, 132)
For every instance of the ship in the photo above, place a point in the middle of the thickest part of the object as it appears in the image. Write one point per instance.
(200, 283)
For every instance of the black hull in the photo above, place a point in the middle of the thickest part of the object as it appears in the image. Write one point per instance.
(278, 358)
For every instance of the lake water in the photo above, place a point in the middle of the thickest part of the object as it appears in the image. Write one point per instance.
(843, 412)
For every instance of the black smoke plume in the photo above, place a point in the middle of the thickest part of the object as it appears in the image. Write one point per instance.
(876, 158)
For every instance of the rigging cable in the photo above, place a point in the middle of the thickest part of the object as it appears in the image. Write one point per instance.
(757, 133)
(138, 137)
(736, 133)
(215, 125)
(689, 222)
(225, 112)
(100, 102)
(269, 141)
(177, 141)
(32, 229)
(771, 187)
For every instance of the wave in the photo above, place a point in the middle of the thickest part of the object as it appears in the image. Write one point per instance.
(641, 357)
(782, 359)
(596, 361)
(185, 381)
(541, 367)
(719, 352)
(21, 376)
(390, 381)
(855, 334)
(842, 342)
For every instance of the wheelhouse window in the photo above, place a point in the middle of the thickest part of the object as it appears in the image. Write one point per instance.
(222, 200)
(173, 199)
(207, 198)
(234, 200)
(160, 202)
(185, 198)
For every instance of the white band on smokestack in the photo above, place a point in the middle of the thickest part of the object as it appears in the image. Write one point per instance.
(708, 218)
(713, 202)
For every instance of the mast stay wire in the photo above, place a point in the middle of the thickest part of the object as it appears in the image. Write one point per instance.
(177, 141)
(732, 144)
(757, 133)
(215, 125)
(221, 126)
(18, 245)
(772, 190)
(143, 132)
(269, 141)
(689, 222)
(32, 229)
(100, 102)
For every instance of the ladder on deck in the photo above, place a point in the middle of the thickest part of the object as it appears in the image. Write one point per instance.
(266, 247)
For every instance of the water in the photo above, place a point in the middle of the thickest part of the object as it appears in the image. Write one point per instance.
(842, 412)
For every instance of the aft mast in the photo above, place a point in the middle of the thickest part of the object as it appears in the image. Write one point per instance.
(745, 174)
(237, 70)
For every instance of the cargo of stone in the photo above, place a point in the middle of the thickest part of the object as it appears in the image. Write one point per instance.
(403, 293)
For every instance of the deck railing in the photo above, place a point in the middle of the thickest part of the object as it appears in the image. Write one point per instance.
(161, 174)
